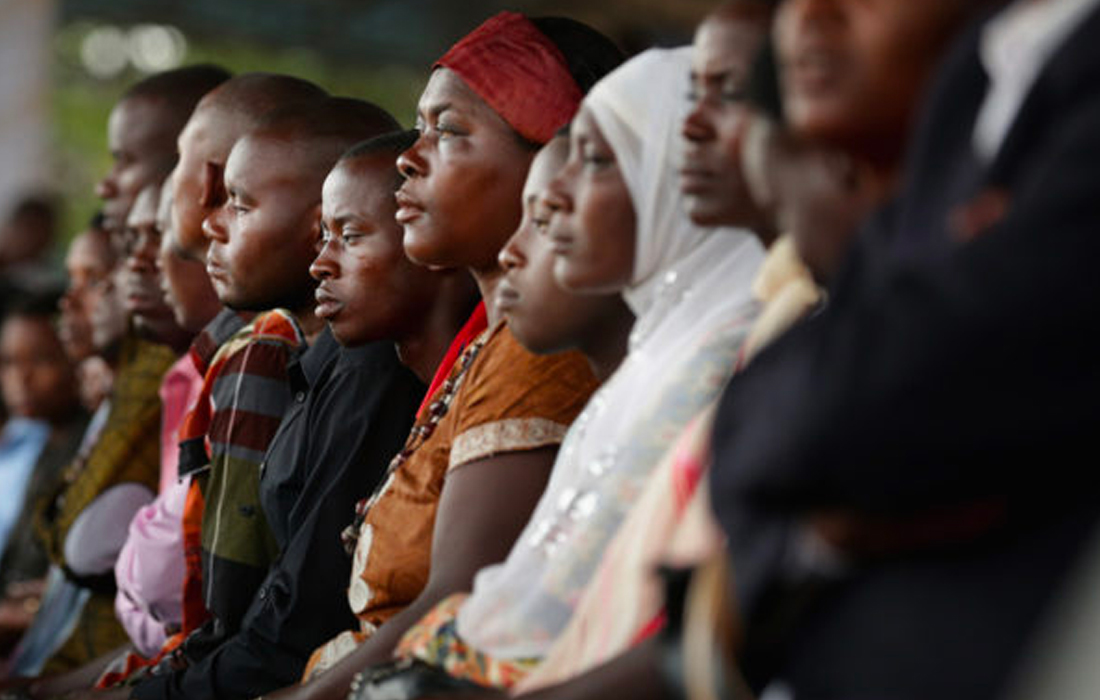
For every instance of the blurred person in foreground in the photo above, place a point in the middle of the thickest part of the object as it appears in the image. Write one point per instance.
(41, 435)
(922, 485)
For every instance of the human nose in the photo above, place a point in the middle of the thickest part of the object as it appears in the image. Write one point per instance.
(697, 124)
(324, 265)
(213, 227)
(411, 162)
(107, 187)
(145, 246)
(512, 254)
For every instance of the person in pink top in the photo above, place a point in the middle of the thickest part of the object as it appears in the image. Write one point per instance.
(149, 571)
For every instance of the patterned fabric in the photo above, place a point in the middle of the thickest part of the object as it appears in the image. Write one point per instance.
(24, 556)
(505, 384)
(435, 640)
(248, 400)
(671, 524)
(193, 458)
(97, 633)
(127, 451)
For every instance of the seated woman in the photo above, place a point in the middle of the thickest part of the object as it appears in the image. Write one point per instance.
(477, 459)
(813, 189)
(620, 225)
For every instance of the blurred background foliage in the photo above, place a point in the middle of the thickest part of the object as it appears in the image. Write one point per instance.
(378, 50)
(82, 102)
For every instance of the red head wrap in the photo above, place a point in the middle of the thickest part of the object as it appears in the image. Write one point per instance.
(520, 73)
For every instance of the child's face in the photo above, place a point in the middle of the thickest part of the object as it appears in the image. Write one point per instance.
(264, 236)
(543, 317)
(369, 290)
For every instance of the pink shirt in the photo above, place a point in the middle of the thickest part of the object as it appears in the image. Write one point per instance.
(178, 392)
(150, 568)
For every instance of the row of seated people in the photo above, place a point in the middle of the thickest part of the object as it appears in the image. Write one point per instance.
(451, 411)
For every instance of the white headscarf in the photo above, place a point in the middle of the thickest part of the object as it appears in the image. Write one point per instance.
(691, 293)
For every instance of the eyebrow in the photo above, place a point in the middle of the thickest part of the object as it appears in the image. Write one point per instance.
(434, 110)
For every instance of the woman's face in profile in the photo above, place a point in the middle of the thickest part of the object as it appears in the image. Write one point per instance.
(461, 198)
(593, 228)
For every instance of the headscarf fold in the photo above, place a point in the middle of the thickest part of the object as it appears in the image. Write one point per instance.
(519, 72)
(691, 293)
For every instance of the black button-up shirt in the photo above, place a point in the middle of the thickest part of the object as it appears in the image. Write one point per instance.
(333, 447)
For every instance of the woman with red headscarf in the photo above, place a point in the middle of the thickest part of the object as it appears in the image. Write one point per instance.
(479, 455)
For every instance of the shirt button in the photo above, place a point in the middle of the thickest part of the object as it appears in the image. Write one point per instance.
(300, 397)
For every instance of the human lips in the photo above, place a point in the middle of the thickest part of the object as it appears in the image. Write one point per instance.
(814, 68)
(408, 208)
(141, 293)
(507, 297)
(328, 304)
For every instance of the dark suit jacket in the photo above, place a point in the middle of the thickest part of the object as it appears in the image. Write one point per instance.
(944, 377)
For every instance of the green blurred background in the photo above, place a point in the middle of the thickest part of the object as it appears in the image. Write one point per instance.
(375, 50)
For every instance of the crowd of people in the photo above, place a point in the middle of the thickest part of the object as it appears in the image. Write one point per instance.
(750, 368)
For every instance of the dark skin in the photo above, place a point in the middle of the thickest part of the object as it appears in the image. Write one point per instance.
(464, 176)
(36, 374)
(368, 289)
(140, 275)
(141, 139)
(269, 226)
(851, 71)
(197, 186)
(593, 229)
(460, 202)
(544, 317)
(88, 264)
(723, 51)
(186, 286)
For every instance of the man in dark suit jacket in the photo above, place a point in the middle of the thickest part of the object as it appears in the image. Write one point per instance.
(904, 478)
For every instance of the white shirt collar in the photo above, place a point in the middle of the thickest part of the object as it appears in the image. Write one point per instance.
(1015, 45)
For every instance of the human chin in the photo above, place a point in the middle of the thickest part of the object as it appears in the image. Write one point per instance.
(423, 244)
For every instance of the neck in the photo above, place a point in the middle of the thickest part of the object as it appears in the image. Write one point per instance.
(487, 281)
(310, 324)
(607, 345)
(422, 349)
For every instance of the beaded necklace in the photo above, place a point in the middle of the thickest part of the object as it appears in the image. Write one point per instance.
(418, 435)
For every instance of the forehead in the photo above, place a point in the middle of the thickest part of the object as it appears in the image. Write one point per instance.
(585, 127)
(445, 89)
(26, 329)
(134, 120)
(144, 211)
(726, 40)
(361, 187)
(89, 249)
(545, 166)
(259, 160)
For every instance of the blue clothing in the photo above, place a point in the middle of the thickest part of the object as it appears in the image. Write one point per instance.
(21, 442)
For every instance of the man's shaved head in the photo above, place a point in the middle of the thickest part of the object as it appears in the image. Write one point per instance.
(322, 131)
(260, 259)
(221, 118)
(142, 131)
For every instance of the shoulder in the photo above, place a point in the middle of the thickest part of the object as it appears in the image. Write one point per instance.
(514, 400)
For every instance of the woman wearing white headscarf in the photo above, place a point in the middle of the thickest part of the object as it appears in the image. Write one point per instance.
(690, 289)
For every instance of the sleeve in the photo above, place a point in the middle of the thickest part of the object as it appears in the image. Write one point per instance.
(514, 400)
(149, 571)
(93, 543)
(301, 602)
(944, 379)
